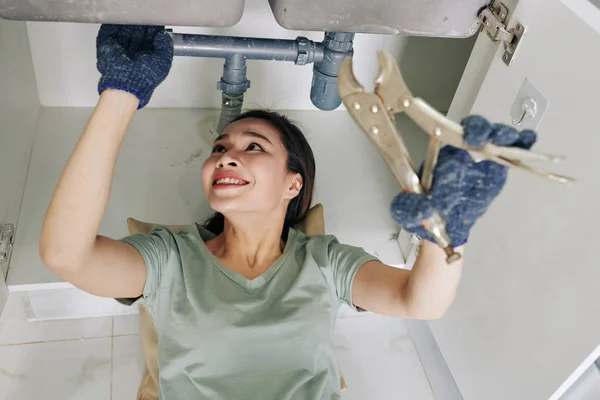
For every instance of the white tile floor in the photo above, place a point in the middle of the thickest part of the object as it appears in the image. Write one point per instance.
(75, 369)
(92, 359)
(101, 358)
(128, 367)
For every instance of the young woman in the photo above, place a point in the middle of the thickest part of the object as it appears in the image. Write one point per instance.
(245, 305)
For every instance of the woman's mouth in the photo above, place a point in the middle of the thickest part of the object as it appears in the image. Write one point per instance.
(228, 183)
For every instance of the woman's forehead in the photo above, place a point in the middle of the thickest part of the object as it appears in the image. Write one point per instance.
(255, 126)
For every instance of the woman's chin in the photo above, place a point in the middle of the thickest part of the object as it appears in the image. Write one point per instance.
(225, 205)
(238, 206)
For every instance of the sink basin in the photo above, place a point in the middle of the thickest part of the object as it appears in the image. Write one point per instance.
(201, 13)
(439, 18)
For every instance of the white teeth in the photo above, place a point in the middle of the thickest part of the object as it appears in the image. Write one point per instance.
(229, 181)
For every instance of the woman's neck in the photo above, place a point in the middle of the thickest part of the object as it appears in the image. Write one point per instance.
(250, 243)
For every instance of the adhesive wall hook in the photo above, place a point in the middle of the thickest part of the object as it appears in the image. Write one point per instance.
(529, 108)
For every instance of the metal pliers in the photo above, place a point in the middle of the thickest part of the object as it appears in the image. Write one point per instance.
(373, 112)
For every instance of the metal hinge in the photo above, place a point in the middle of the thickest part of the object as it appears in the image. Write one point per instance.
(6, 236)
(493, 20)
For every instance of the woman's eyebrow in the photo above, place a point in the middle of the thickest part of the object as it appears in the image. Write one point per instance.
(258, 135)
(221, 137)
(245, 133)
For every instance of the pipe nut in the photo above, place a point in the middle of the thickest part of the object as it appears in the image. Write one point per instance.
(233, 88)
(338, 41)
(304, 47)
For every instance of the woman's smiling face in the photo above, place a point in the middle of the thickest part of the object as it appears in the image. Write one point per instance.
(247, 170)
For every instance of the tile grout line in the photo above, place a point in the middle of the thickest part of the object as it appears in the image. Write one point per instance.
(54, 341)
(112, 354)
(66, 340)
(422, 365)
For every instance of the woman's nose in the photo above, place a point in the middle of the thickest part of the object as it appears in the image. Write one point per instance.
(227, 159)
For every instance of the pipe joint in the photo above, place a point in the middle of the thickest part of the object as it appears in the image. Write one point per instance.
(324, 90)
(234, 81)
(308, 51)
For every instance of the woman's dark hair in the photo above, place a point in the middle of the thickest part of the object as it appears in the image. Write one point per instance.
(300, 160)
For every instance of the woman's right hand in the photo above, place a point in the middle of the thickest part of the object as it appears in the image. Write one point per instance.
(133, 58)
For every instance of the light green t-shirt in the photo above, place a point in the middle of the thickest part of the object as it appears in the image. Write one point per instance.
(224, 337)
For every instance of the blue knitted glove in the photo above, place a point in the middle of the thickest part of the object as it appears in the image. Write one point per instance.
(462, 189)
(133, 58)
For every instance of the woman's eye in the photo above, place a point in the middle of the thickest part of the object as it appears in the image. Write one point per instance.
(254, 146)
(218, 149)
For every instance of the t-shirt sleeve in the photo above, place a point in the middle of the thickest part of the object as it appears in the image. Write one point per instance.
(154, 248)
(345, 262)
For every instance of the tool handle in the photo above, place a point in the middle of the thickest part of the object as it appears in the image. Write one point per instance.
(433, 151)
(370, 114)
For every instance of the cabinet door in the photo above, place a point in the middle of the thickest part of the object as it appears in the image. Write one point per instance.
(19, 107)
(525, 321)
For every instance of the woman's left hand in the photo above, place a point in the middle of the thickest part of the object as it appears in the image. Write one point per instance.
(462, 189)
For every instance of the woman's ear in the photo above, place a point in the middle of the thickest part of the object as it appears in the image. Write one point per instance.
(295, 186)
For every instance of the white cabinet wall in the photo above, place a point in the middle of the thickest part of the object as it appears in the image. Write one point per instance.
(524, 324)
(19, 106)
